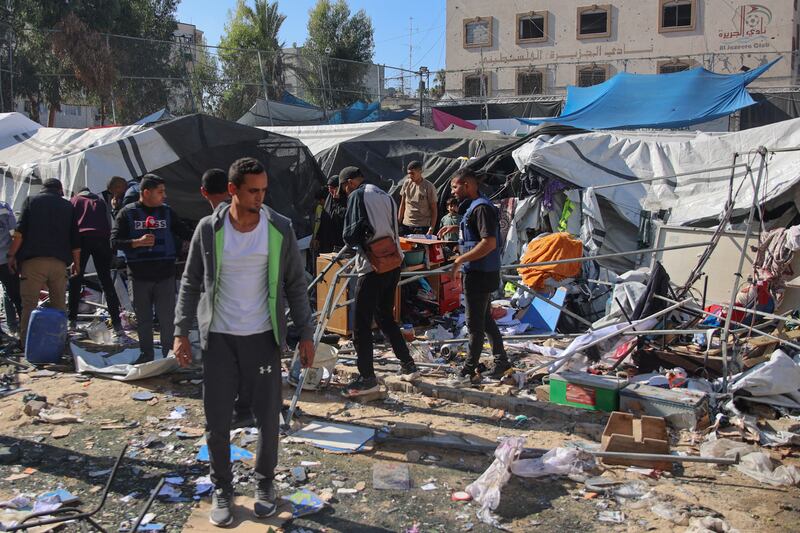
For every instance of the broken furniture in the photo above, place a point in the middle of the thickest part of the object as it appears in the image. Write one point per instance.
(628, 434)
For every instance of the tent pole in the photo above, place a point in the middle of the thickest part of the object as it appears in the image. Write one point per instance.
(264, 81)
(646, 180)
(736, 277)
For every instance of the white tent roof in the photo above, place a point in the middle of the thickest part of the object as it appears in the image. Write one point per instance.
(78, 157)
(601, 158)
(320, 138)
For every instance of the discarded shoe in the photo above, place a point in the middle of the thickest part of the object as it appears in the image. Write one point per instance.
(265, 505)
(221, 502)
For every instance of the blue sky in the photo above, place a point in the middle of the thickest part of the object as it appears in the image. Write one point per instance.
(390, 18)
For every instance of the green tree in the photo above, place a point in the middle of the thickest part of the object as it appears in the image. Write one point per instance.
(205, 85)
(251, 32)
(42, 76)
(336, 54)
(439, 86)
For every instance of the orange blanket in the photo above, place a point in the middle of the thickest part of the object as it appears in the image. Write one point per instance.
(551, 248)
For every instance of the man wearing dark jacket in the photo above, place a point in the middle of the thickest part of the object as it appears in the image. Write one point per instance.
(372, 215)
(45, 242)
(94, 226)
(148, 233)
(331, 225)
(244, 269)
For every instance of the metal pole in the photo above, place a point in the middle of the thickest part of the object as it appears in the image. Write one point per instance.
(551, 302)
(667, 458)
(422, 273)
(264, 82)
(647, 180)
(726, 330)
(113, 108)
(561, 360)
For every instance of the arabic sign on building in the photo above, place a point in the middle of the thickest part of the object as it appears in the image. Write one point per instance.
(749, 28)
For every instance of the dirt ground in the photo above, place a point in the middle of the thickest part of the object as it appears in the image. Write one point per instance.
(111, 418)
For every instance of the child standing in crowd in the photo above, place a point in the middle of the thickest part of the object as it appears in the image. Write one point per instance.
(452, 218)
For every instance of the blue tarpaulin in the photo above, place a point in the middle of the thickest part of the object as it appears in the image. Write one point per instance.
(364, 112)
(656, 100)
(289, 98)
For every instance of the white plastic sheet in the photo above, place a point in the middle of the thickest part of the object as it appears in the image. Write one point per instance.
(758, 466)
(556, 462)
(119, 366)
(486, 489)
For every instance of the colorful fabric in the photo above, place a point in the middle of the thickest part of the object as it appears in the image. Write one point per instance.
(551, 248)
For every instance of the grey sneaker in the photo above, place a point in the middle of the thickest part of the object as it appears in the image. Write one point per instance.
(265, 501)
(408, 373)
(221, 502)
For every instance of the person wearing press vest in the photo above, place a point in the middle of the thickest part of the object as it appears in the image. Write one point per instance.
(243, 272)
(148, 232)
(479, 247)
(371, 226)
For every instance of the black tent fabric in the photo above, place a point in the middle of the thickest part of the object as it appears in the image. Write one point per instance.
(770, 108)
(549, 108)
(202, 142)
(384, 153)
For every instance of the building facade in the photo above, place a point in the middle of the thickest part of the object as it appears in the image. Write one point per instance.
(512, 48)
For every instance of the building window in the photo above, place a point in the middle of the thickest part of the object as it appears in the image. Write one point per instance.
(670, 67)
(677, 15)
(530, 82)
(594, 21)
(476, 85)
(592, 75)
(478, 32)
(532, 27)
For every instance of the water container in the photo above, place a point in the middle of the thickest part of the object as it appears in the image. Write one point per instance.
(47, 336)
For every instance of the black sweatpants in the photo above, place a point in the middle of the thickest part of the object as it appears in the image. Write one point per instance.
(10, 281)
(241, 365)
(99, 249)
(478, 289)
(375, 299)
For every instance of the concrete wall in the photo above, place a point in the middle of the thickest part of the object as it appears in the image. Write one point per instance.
(727, 35)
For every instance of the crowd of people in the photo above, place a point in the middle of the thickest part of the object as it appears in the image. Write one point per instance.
(243, 271)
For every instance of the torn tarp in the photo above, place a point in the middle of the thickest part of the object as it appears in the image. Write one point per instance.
(119, 365)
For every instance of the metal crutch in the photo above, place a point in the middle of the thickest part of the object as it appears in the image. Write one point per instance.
(327, 310)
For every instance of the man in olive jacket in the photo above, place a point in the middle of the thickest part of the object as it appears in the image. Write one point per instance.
(243, 270)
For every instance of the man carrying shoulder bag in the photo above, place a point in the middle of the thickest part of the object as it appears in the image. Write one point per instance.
(371, 226)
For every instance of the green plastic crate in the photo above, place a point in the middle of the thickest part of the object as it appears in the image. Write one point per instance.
(586, 391)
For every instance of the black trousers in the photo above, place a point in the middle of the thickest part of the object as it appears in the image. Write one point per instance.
(375, 299)
(478, 289)
(99, 249)
(244, 365)
(10, 282)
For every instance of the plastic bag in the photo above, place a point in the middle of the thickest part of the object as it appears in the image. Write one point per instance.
(779, 375)
(759, 467)
(99, 333)
(558, 462)
(486, 489)
(709, 524)
(670, 513)
(726, 448)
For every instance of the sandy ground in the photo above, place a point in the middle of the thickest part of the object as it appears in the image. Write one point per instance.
(526, 504)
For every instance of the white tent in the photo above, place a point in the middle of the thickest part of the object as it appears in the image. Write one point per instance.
(602, 158)
(30, 154)
(320, 138)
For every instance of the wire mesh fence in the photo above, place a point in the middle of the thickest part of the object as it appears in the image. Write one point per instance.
(186, 75)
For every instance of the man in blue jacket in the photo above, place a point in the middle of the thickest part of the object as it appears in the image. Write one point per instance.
(148, 232)
(244, 268)
(479, 248)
